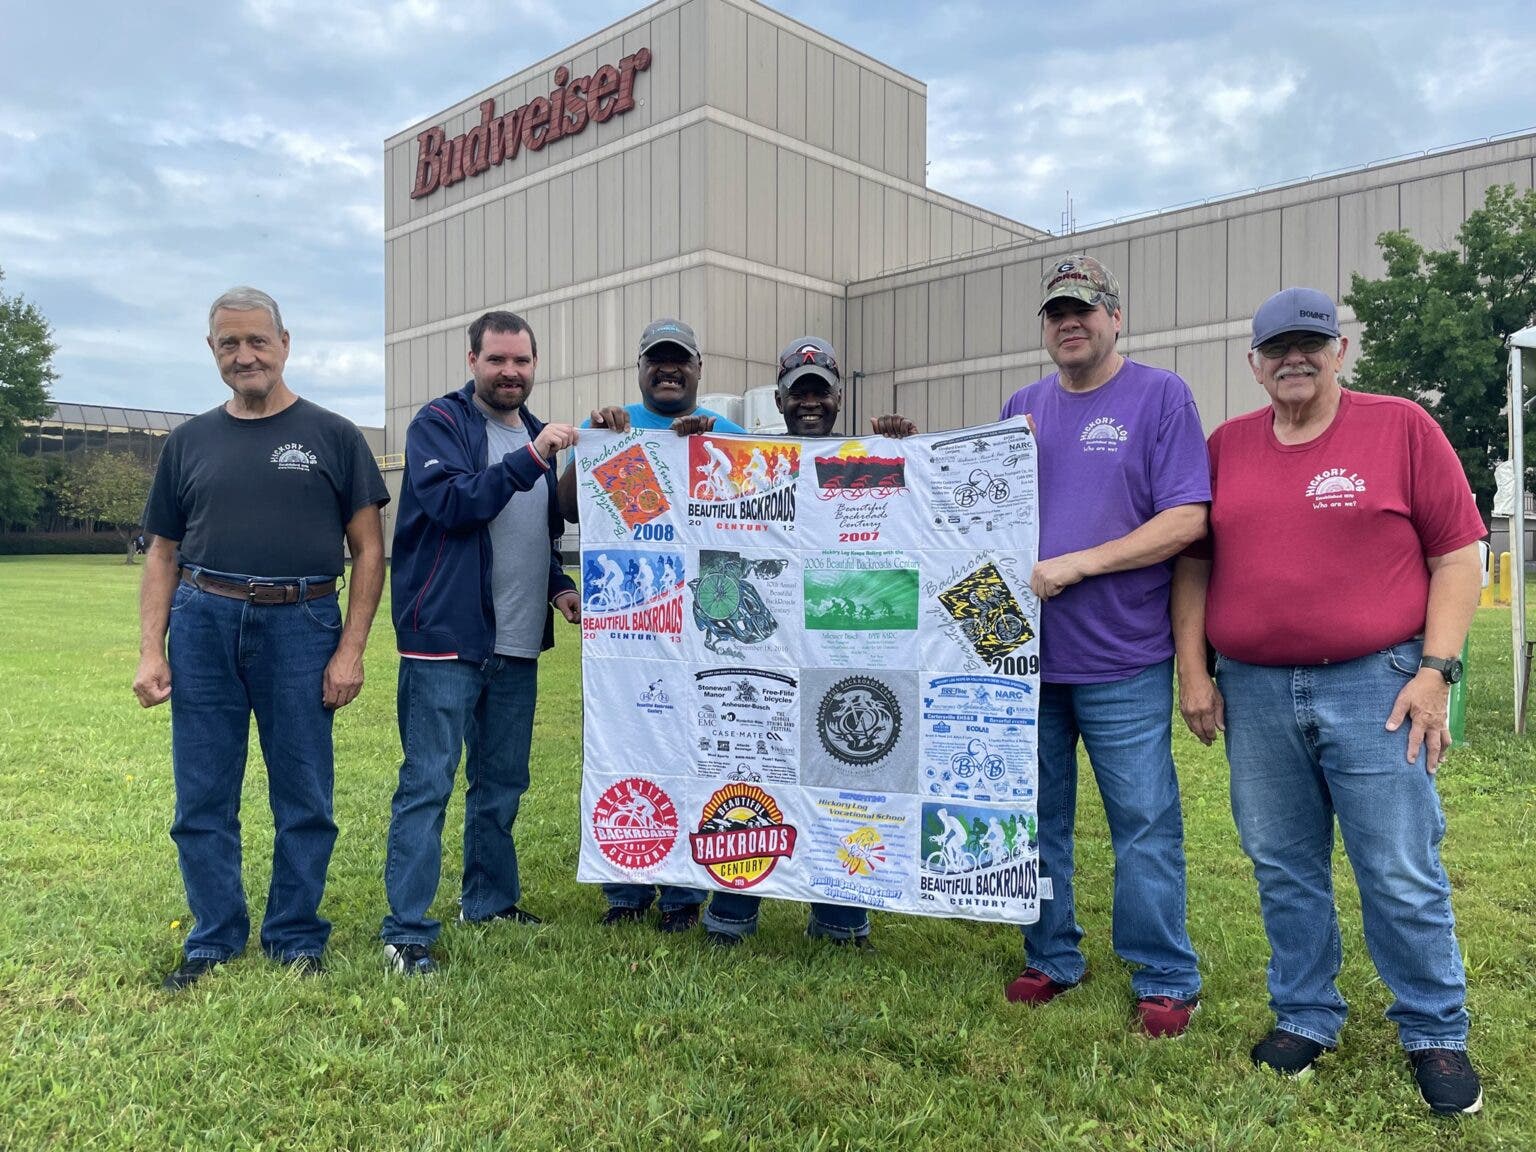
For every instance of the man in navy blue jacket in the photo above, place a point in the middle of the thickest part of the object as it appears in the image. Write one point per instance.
(475, 578)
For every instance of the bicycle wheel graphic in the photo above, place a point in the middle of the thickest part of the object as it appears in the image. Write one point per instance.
(718, 595)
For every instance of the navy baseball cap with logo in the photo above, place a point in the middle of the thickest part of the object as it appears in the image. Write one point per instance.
(669, 331)
(1295, 310)
(808, 356)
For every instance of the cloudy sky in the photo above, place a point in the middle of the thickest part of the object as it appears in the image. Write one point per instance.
(152, 155)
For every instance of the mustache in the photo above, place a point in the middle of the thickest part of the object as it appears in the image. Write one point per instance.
(1302, 370)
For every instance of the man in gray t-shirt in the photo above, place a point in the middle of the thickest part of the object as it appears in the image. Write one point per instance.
(515, 567)
(476, 576)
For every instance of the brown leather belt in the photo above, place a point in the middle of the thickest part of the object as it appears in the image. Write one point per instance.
(258, 591)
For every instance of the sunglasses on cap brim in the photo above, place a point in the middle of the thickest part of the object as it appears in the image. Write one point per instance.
(801, 359)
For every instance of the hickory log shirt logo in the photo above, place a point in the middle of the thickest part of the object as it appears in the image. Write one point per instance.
(294, 458)
(1104, 434)
(1336, 488)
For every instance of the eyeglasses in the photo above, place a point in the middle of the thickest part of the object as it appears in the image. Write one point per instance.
(808, 355)
(1277, 348)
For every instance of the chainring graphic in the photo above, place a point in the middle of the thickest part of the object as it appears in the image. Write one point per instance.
(859, 721)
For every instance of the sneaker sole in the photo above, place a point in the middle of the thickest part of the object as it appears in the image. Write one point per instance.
(1475, 1106)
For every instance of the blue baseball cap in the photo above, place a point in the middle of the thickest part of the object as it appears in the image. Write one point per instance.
(1295, 310)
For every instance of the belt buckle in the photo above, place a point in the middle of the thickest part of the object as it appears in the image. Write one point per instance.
(254, 585)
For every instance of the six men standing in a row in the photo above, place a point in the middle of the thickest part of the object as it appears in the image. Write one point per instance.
(1333, 699)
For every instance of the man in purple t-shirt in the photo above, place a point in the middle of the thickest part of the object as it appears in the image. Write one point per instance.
(1124, 484)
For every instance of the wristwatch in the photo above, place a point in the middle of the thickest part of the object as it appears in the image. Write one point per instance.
(1450, 669)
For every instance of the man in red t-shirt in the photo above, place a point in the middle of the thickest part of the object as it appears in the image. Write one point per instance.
(1334, 689)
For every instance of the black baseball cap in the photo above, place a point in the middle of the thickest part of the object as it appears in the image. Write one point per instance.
(669, 331)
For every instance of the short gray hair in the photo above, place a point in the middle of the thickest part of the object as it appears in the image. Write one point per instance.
(245, 299)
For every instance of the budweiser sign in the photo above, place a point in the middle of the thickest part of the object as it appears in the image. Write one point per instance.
(568, 109)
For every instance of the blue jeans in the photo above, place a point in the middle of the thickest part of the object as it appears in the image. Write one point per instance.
(1127, 728)
(735, 914)
(1308, 745)
(229, 659)
(449, 707)
(668, 897)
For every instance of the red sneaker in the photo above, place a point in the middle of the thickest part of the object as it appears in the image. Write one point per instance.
(1165, 1016)
(1033, 986)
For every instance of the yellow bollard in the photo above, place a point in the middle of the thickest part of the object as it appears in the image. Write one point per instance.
(1504, 571)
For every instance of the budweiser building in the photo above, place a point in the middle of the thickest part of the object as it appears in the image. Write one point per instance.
(717, 161)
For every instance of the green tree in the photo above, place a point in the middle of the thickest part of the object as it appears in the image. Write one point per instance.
(1436, 323)
(108, 488)
(26, 370)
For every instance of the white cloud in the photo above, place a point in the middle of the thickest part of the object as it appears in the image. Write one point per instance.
(340, 362)
(395, 28)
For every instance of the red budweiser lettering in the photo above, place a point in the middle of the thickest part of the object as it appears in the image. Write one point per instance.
(564, 112)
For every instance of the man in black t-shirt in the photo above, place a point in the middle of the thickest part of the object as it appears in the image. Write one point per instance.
(250, 504)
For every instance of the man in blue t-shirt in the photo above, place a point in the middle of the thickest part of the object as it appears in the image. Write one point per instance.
(669, 368)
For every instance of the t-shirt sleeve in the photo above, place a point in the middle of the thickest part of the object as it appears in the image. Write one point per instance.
(1444, 510)
(365, 483)
(163, 513)
(1181, 470)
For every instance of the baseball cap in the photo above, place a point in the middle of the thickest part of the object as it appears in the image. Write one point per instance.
(1077, 277)
(669, 331)
(808, 355)
(1295, 310)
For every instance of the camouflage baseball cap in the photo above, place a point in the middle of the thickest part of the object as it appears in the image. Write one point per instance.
(1078, 277)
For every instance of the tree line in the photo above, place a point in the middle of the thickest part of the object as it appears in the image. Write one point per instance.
(104, 489)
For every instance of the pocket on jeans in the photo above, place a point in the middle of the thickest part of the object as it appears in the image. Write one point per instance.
(324, 611)
(1404, 658)
(183, 596)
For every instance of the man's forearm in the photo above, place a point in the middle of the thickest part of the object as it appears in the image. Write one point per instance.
(1165, 535)
(366, 585)
(156, 590)
(1186, 607)
(1455, 583)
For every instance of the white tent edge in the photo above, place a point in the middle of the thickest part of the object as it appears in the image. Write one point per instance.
(1525, 339)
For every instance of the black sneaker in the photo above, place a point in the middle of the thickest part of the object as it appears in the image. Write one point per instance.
(721, 939)
(1447, 1080)
(305, 964)
(410, 959)
(1287, 1053)
(860, 943)
(617, 915)
(514, 914)
(679, 919)
(188, 973)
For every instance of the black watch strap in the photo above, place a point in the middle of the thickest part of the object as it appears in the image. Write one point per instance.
(1450, 669)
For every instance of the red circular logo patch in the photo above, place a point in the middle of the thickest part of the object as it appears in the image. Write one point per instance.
(635, 824)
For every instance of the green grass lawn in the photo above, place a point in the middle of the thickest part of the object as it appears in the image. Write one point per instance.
(571, 1035)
